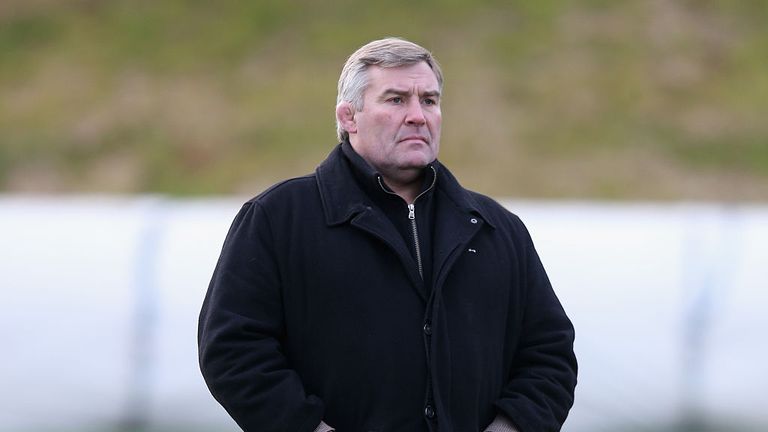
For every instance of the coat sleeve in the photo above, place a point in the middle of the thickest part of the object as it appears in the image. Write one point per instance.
(540, 392)
(240, 331)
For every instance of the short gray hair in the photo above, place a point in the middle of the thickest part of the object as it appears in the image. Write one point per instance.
(388, 53)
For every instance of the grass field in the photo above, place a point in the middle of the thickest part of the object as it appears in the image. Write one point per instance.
(634, 99)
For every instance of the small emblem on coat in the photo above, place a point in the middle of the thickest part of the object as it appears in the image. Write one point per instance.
(472, 250)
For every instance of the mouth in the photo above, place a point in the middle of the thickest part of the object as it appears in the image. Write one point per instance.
(415, 138)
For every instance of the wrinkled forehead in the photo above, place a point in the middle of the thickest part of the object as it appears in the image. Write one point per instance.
(417, 76)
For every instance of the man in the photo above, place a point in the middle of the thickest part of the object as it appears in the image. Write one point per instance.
(379, 295)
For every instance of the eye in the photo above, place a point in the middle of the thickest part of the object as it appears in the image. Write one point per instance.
(430, 101)
(396, 99)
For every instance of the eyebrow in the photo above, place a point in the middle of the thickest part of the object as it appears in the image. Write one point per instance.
(394, 91)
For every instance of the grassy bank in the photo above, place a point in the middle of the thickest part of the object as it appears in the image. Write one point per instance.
(631, 99)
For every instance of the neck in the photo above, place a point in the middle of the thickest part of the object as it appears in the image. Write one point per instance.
(405, 183)
(408, 190)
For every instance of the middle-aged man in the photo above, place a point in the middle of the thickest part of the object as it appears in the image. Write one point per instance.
(377, 294)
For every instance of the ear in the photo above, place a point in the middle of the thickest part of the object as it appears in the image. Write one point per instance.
(345, 115)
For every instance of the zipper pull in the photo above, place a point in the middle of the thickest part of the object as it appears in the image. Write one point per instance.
(411, 212)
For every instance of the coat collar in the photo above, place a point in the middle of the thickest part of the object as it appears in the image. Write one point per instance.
(343, 198)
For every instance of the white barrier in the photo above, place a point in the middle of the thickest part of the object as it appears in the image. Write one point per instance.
(100, 297)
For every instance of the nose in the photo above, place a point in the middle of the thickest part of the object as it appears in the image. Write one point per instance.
(415, 114)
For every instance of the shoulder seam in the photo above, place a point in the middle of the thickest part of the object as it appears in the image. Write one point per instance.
(279, 185)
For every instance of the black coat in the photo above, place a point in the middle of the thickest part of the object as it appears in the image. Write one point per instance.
(313, 313)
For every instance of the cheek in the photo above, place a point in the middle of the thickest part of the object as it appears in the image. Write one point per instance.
(436, 116)
(384, 121)
(435, 123)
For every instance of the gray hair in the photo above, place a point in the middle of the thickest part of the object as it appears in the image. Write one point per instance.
(388, 53)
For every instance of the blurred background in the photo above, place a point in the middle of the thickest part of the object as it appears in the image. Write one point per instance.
(629, 135)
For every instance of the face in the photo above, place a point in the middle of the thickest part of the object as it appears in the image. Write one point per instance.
(398, 129)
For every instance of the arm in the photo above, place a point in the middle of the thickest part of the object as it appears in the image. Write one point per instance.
(240, 331)
(540, 391)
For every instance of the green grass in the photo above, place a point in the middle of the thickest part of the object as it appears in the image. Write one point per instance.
(554, 99)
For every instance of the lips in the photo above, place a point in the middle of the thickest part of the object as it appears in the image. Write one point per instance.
(415, 138)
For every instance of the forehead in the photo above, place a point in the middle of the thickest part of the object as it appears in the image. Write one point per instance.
(418, 75)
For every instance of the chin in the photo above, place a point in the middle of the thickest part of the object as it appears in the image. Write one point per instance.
(418, 157)
(418, 162)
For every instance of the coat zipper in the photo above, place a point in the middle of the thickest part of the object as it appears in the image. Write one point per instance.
(412, 218)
